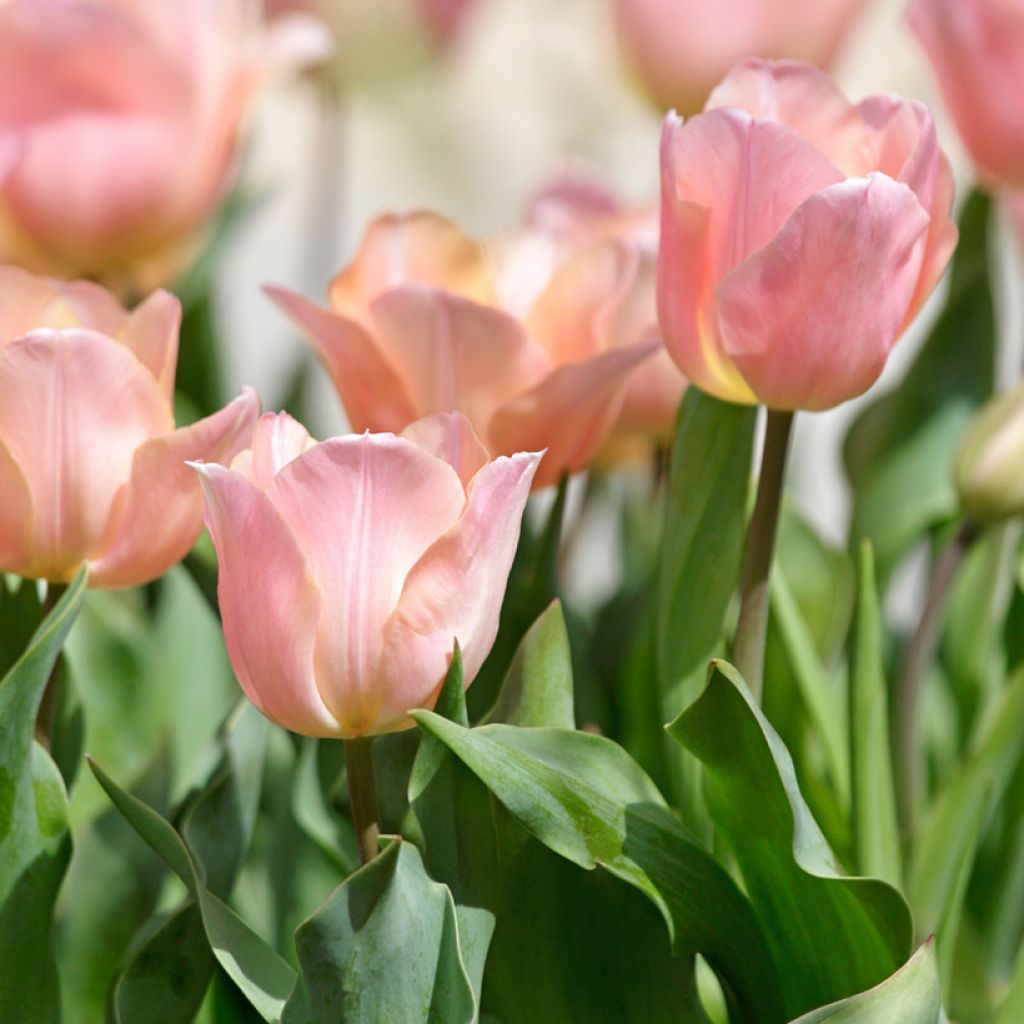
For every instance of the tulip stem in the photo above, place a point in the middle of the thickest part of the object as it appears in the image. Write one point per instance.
(46, 716)
(362, 795)
(748, 644)
(917, 660)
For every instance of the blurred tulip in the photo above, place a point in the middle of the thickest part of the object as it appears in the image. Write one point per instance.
(382, 40)
(349, 568)
(680, 49)
(977, 50)
(91, 468)
(578, 212)
(990, 460)
(119, 125)
(799, 235)
(425, 320)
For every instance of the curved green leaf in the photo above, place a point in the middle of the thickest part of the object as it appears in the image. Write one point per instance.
(35, 843)
(804, 902)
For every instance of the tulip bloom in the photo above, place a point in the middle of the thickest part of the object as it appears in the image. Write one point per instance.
(799, 236)
(977, 50)
(680, 49)
(577, 213)
(119, 123)
(92, 470)
(348, 568)
(425, 320)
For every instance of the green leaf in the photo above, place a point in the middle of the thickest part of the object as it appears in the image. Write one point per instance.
(538, 687)
(705, 521)
(584, 798)
(453, 812)
(264, 978)
(900, 450)
(1012, 1009)
(910, 996)
(875, 825)
(384, 947)
(35, 843)
(949, 840)
(792, 879)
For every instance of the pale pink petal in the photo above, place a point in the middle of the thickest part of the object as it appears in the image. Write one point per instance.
(74, 406)
(151, 332)
(16, 517)
(977, 51)
(728, 185)
(569, 413)
(453, 353)
(363, 509)
(805, 99)
(276, 439)
(370, 388)
(269, 603)
(451, 437)
(522, 265)
(157, 514)
(28, 302)
(810, 320)
(652, 399)
(576, 313)
(454, 592)
(571, 206)
(418, 248)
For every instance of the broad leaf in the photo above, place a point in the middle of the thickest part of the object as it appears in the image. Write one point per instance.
(35, 843)
(910, 996)
(384, 947)
(806, 905)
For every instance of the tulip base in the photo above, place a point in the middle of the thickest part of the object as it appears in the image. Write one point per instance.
(362, 795)
(748, 645)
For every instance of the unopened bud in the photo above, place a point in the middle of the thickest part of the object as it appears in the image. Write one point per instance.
(990, 461)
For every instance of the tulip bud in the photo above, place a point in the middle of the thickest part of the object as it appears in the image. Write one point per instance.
(799, 235)
(989, 468)
(92, 470)
(522, 342)
(349, 568)
(119, 126)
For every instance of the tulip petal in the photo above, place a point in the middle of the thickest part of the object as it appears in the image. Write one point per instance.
(454, 592)
(157, 514)
(269, 603)
(363, 510)
(371, 390)
(810, 319)
(276, 439)
(803, 98)
(29, 302)
(453, 353)
(569, 413)
(728, 185)
(419, 248)
(151, 332)
(74, 406)
(16, 517)
(575, 313)
(451, 437)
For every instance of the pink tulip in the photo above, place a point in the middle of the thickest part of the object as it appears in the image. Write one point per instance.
(578, 212)
(679, 49)
(977, 50)
(349, 568)
(799, 235)
(92, 470)
(119, 125)
(425, 320)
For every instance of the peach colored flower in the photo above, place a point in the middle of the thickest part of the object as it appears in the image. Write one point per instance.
(119, 125)
(426, 320)
(799, 235)
(349, 568)
(92, 470)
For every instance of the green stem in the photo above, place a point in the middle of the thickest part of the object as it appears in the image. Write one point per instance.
(46, 716)
(748, 644)
(362, 795)
(918, 659)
